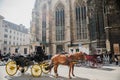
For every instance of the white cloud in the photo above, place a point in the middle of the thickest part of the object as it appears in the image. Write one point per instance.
(17, 11)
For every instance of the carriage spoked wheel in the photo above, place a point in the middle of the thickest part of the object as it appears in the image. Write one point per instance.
(23, 68)
(36, 70)
(11, 68)
(44, 66)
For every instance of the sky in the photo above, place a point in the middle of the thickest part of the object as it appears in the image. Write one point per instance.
(17, 11)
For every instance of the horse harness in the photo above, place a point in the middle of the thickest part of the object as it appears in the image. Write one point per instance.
(68, 61)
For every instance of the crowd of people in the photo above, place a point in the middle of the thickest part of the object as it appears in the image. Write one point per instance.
(108, 56)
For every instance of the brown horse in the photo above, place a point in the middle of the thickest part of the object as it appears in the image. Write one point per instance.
(65, 59)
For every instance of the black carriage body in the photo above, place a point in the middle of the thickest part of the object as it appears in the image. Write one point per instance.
(22, 61)
(28, 60)
(40, 54)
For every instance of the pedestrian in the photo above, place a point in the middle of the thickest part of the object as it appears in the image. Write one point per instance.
(106, 57)
(110, 57)
(116, 58)
(0, 55)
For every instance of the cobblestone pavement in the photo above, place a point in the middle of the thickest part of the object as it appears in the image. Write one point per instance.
(108, 72)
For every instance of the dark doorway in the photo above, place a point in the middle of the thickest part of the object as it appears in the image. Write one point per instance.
(25, 50)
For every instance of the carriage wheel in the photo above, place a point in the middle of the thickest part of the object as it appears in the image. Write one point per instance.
(44, 66)
(11, 68)
(25, 68)
(36, 70)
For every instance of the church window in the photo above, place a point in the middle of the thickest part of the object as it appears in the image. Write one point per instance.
(81, 24)
(59, 22)
(44, 24)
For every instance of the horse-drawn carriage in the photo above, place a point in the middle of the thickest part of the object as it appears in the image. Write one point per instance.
(94, 60)
(38, 63)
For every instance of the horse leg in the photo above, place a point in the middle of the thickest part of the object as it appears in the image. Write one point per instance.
(95, 63)
(73, 70)
(70, 68)
(55, 70)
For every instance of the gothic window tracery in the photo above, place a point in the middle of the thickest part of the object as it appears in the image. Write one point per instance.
(60, 22)
(81, 23)
(44, 23)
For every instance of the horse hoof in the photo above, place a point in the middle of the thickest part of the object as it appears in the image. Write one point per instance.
(73, 75)
(70, 77)
(56, 76)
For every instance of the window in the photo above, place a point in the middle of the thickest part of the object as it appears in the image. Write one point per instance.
(71, 50)
(10, 31)
(81, 24)
(6, 30)
(5, 35)
(44, 24)
(10, 43)
(10, 37)
(14, 37)
(13, 43)
(60, 22)
(25, 50)
(77, 50)
(5, 42)
(5, 48)
(16, 50)
(6, 26)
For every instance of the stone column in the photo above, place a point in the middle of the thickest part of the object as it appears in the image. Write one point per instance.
(107, 39)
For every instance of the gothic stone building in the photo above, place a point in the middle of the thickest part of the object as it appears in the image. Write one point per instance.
(112, 20)
(62, 24)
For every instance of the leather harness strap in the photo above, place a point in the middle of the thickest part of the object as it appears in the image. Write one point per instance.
(68, 61)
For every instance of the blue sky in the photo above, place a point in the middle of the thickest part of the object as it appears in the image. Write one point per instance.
(17, 11)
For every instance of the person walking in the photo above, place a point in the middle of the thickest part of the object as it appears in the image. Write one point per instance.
(0, 55)
(110, 57)
(116, 58)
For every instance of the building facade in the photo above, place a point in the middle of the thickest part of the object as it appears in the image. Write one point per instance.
(1, 33)
(13, 35)
(96, 23)
(112, 26)
(65, 25)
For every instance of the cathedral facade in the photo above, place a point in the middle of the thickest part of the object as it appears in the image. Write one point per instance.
(61, 25)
